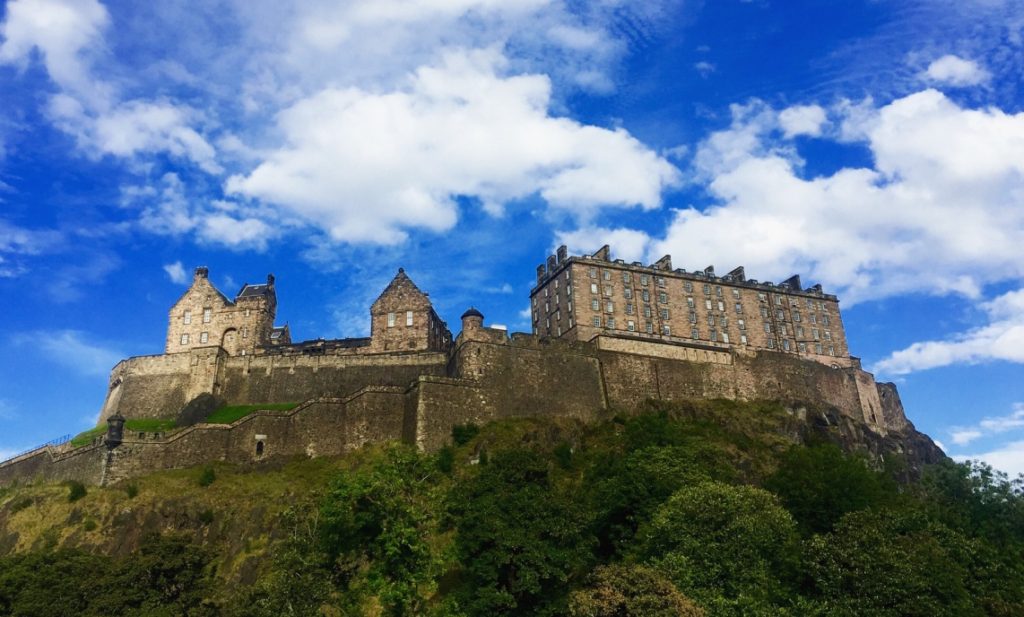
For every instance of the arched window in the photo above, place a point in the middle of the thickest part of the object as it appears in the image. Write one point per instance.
(259, 448)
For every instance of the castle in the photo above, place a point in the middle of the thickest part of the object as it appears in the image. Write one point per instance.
(607, 335)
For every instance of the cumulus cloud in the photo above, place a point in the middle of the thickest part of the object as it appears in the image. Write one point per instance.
(628, 244)
(68, 35)
(956, 71)
(989, 426)
(1002, 338)
(366, 167)
(802, 120)
(176, 272)
(944, 176)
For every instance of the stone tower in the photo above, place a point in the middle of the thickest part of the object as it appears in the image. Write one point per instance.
(403, 319)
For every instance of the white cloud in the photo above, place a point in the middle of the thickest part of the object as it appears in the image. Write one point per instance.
(802, 120)
(176, 272)
(1008, 458)
(955, 71)
(944, 176)
(367, 167)
(69, 34)
(704, 68)
(1002, 338)
(989, 426)
(72, 349)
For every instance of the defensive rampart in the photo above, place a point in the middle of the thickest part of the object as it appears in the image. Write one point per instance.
(418, 397)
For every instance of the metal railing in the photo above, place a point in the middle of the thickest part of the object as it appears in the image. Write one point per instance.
(59, 441)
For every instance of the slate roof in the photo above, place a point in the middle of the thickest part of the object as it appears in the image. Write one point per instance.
(250, 291)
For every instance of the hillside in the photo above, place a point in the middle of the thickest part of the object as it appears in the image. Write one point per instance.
(703, 508)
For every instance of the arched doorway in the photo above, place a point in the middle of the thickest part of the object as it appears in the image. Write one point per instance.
(230, 341)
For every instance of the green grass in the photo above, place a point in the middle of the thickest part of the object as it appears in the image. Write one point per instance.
(146, 425)
(227, 415)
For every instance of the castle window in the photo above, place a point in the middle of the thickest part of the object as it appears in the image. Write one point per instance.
(764, 312)
(628, 292)
(711, 320)
(666, 330)
(800, 331)
(778, 300)
(802, 347)
(768, 328)
(609, 307)
(611, 323)
(593, 288)
(629, 308)
(721, 305)
(547, 292)
(693, 317)
(814, 318)
(547, 307)
(593, 273)
(245, 332)
(714, 335)
(247, 311)
(643, 279)
(597, 322)
(779, 314)
(725, 337)
(536, 317)
(817, 348)
(814, 333)
(828, 335)
(570, 305)
(741, 324)
(739, 308)
(824, 320)
(608, 290)
(831, 350)
(761, 296)
(647, 311)
(723, 321)
(785, 330)
(736, 293)
(688, 286)
(796, 315)
(558, 315)
(663, 298)
(743, 339)
(607, 275)
(718, 290)
(771, 343)
(785, 344)
(631, 326)
(810, 304)
(689, 301)
(570, 322)
(556, 284)
(184, 339)
(649, 327)
(707, 304)
(707, 289)
(664, 313)
(187, 317)
(408, 318)
(695, 334)
(559, 330)
(259, 448)
(645, 295)
(626, 277)
(207, 314)
(204, 337)
(659, 281)
(391, 320)
(595, 305)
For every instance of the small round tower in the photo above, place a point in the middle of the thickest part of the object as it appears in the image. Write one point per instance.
(472, 320)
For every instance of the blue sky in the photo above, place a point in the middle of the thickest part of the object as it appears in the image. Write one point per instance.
(876, 147)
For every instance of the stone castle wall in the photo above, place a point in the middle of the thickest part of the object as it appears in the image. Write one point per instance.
(417, 398)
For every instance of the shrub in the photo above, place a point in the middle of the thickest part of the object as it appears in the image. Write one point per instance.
(464, 433)
(206, 516)
(207, 476)
(20, 504)
(76, 490)
(445, 459)
(132, 490)
(89, 524)
(563, 454)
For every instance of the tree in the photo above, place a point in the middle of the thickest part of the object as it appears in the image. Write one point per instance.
(517, 538)
(732, 548)
(374, 523)
(630, 591)
(819, 484)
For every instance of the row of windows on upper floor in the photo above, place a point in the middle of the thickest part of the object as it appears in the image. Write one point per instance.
(204, 337)
(660, 281)
(186, 316)
(393, 319)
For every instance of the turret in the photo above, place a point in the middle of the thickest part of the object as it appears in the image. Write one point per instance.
(472, 320)
(115, 431)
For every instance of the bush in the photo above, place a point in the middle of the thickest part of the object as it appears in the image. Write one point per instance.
(89, 524)
(20, 504)
(207, 476)
(132, 490)
(206, 517)
(76, 490)
(563, 454)
(464, 433)
(445, 459)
